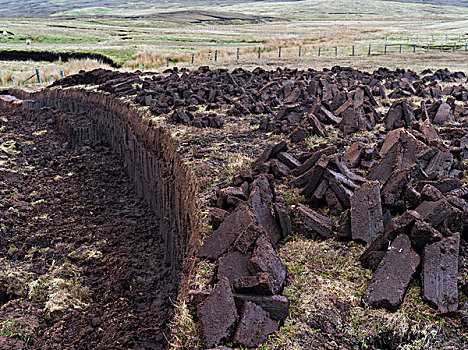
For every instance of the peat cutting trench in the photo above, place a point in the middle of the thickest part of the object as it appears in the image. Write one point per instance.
(124, 192)
(71, 222)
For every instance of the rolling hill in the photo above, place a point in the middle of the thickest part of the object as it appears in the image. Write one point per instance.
(45, 8)
(463, 3)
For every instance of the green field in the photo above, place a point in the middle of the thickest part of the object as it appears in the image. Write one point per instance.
(151, 33)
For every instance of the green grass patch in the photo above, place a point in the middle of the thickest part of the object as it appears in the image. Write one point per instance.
(326, 278)
(50, 40)
(17, 328)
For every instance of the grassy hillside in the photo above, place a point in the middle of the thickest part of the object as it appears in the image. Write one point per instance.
(152, 32)
(84, 8)
(45, 8)
(463, 3)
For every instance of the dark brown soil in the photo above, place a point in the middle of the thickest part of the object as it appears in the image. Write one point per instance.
(69, 212)
(24, 55)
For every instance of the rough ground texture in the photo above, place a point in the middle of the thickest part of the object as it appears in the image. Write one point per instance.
(281, 190)
(82, 261)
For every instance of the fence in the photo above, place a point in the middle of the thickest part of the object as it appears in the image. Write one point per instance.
(38, 76)
(371, 49)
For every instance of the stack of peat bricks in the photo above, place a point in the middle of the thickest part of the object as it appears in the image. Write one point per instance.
(394, 178)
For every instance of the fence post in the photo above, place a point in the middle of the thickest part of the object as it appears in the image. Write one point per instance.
(414, 48)
(353, 51)
(369, 52)
(259, 52)
(38, 76)
(400, 48)
(216, 55)
(385, 51)
(300, 49)
(62, 75)
(336, 51)
(279, 52)
(238, 54)
(319, 51)
(167, 62)
(193, 57)
(13, 80)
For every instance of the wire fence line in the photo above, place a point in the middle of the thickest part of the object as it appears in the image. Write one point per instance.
(354, 50)
(280, 52)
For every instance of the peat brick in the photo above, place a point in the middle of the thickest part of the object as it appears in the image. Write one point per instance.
(434, 212)
(344, 226)
(260, 200)
(319, 193)
(366, 212)
(217, 315)
(399, 151)
(388, 286)
(457, 202)
(396, 226)
(430, 193)
(221, 239)
(336, 208)
(261, 283)
(288, 160)
(309, 163)
(353, 154)
(312, 224)
(279, 147)
(444, 185)
(394, 190)
(440, 272)
(440, 164)
(277, 306)
(263, 157)
(283, 214)
(228, 196)
(299, 134)
(248, 237)
(427, 129)
(443, 115)
(254, 326)
(342, 192)
(217, 216)
(314, 176)
(279, 169)
(318, 127)
(375, 257)
(423, 233)
(265, 259)
(234, 265)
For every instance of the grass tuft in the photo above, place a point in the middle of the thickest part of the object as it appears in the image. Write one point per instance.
(18, 328)
(185, 334)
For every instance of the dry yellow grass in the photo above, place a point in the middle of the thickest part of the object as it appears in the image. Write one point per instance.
(416, 62)
(48, 70)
